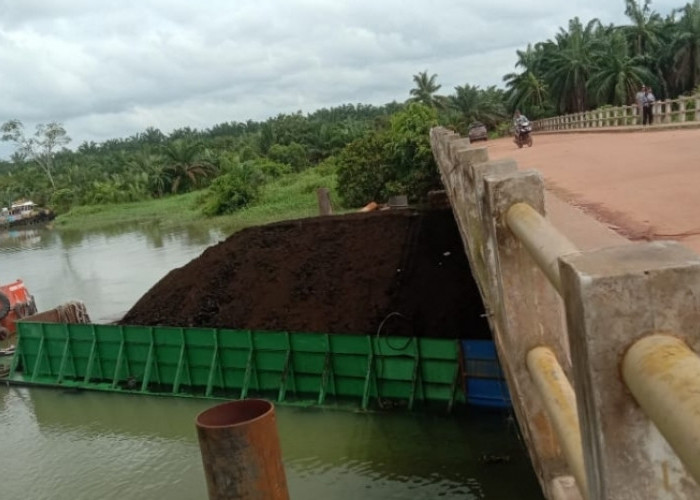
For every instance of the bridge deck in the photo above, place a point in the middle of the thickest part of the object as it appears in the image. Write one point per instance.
(643, 185)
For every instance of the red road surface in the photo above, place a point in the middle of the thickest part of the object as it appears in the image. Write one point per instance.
(644, 185)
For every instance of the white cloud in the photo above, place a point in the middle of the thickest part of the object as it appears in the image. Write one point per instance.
(112, 68)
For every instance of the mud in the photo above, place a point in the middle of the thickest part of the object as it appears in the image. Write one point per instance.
(403, 270)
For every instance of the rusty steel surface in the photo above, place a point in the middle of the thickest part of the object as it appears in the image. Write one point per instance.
(73, 312)
(543, 241)
(663, 374)
(240, 451)
(560, 402)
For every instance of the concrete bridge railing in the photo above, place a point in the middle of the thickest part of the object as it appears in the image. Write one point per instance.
(681, 110)
(598, 347)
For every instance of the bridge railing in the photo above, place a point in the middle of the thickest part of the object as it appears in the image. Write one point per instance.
(606, 398)
(680, 110)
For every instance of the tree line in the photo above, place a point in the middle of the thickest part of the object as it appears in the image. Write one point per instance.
(588, 65)
(376, 151)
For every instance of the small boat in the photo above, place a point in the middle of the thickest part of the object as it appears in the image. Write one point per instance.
(25, 213)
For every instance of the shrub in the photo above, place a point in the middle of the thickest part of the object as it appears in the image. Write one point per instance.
(395, 160)
(237, 188)
(363, 170)
(293, 154)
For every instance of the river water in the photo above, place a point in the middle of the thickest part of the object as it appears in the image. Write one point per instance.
(64, 445)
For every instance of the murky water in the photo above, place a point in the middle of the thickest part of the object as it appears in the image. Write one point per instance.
(65, 445)
(108, 270)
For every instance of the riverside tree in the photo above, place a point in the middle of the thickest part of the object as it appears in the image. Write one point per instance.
(41, 148)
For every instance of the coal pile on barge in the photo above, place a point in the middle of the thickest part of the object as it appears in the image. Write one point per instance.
(397, 272)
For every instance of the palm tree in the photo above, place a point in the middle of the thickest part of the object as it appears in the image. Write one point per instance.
(527, 90)
(686, 47)
(470, 103)
(184, 164)
(568, 63)
(145, 162)
(425, 89)
(616, 76)
(644, 32)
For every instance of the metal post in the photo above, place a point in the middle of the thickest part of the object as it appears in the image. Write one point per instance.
(663, 374)
(240, 451)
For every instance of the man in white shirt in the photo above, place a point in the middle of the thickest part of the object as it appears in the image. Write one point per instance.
(645, 100)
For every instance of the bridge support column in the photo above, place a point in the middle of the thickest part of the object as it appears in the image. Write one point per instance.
(528, 314)
(613, 298)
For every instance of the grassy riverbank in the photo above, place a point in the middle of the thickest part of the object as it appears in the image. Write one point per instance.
(288, 197)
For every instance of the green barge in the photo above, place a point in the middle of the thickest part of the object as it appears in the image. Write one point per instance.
(291, 368)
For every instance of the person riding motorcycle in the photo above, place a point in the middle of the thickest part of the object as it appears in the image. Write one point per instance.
(518, 120)
(521, 130)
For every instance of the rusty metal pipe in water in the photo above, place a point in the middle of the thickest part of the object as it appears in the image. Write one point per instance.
(240, 451)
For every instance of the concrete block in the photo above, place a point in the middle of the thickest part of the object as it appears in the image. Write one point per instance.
(615, 296)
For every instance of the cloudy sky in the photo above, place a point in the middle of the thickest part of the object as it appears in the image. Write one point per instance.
(111, 68)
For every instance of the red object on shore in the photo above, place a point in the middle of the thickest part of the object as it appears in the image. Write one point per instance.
(15, 303)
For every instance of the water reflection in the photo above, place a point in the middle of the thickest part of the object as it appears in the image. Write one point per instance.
(146, 445)
(154, 234)
(21, 239)
(108, 269)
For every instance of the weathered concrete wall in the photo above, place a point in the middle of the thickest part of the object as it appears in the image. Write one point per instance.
(523, 309)
(606, 300)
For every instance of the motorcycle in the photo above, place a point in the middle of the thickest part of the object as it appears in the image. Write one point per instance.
(523, 134)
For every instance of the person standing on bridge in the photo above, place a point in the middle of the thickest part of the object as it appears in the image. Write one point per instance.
(645, 100)
(648, 113)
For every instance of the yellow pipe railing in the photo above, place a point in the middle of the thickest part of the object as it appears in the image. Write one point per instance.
(560, 403)
(543, 241)
(663, 374)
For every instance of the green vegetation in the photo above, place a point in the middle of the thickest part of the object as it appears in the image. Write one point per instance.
(394, 160)
(249, 172)
(288, 197)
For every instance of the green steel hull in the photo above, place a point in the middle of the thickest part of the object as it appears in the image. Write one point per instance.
(361, 372)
